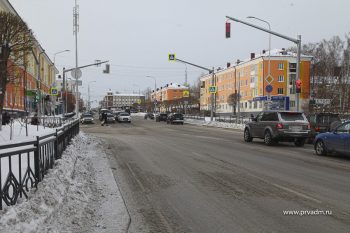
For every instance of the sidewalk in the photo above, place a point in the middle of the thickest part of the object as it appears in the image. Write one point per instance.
(78, 195)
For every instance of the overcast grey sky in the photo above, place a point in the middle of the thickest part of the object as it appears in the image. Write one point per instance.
(137, 35)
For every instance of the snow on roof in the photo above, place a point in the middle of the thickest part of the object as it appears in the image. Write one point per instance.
(135, 95)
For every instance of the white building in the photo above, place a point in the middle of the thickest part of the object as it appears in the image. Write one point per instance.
(117, 100)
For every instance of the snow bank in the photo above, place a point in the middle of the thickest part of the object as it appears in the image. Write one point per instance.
(138, 114)
(19, 132)
(216, 124)
(78, 195)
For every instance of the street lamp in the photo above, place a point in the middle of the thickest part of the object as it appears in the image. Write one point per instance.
(155, 90)
(54, 56)
(268, 24)
(269, 69)
(89, 104)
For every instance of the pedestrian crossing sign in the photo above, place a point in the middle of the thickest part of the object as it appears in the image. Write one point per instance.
(213, 89)
(171, 57)
(54, 91)
(186, 94)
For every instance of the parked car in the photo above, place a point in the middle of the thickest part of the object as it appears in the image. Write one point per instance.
(275, 126)
(337, 141)
(322, 122)
(176, 118)
(110, 118)
(116, 114)
(86, 118)
(124, 117)
(149, 115)
(161, 117)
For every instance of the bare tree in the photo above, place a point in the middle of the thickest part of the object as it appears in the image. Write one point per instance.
(16, 43)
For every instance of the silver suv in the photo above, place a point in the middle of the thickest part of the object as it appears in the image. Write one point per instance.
(275, 126)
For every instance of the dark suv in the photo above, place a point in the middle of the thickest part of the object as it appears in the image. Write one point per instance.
(275, 126)
(176, 118)
(322, 122)
(161, 117)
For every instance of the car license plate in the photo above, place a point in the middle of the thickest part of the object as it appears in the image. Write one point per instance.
(295, 128)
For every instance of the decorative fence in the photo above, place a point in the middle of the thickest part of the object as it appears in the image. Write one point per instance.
(24, 165)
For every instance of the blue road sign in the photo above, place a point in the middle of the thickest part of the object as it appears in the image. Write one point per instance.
(269, 88)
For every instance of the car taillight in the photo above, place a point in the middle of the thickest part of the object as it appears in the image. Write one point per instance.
(308, 126)
(317, 128)
(279, 126)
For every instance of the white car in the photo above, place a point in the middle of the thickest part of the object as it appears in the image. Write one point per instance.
(87, 118)
(124, 117)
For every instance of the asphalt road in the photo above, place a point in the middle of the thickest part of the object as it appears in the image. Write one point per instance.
(189, 178)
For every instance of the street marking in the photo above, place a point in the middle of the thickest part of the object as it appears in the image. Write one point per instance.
(296, 193)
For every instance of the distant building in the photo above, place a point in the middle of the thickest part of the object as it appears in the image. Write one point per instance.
(247, 78)
(169, 92)
(122, 101)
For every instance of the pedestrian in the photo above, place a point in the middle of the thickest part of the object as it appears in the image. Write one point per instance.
(104, 118)
(35, 120)
(6, 118)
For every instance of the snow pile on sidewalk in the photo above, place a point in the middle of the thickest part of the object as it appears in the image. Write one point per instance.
(138, 114)
(78, 195)
(216, 124)
(19, 132)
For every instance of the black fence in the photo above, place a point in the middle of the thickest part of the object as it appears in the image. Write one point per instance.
(24, 165)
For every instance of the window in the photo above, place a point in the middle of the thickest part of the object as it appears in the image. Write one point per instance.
(292, 103)
(280, 91)
(269, 116)
(292, 67)
(280, 78)
(281, 66)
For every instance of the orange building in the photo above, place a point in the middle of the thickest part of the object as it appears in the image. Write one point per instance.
(24, 82)
(249, 79)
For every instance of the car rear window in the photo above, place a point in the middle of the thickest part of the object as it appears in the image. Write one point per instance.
(327, 119)
(87, 115)
(292, 116)
(123, 114)
(177, 115)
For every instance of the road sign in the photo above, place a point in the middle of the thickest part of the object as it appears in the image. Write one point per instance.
(172, 57)
(269, 88)
(269, 79)
(323, 101)
(213, 89)
(54, 91)
(186, 93)
(78, 73)
(138, 101)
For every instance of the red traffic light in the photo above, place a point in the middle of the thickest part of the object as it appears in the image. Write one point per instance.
(228, 29)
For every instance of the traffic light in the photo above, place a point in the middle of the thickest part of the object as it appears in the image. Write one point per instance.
(298, 86)
(228, 29)
(106, 71)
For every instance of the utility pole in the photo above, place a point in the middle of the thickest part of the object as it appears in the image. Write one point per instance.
(75, 30)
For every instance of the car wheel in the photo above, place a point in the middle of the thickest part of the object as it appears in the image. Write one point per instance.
(182, 123)
(247, 136)
(268, 138)
(299, 142)
(320, 148)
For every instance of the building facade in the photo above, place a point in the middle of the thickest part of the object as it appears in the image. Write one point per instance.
(122, 101)
(248, 78)
(30, 83)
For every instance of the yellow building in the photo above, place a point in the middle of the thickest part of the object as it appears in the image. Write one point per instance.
(248, 78)
(20, 93)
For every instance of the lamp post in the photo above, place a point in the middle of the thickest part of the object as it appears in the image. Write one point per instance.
(297, 41)
(89, 104)
(155, 90)
(54, 55)
(269, 64)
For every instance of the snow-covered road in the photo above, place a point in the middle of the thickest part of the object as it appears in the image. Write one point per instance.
(79, 195)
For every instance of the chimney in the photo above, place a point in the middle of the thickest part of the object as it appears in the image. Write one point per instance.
(264, 51)
(252, 56)
(238, 61)
(228, 65)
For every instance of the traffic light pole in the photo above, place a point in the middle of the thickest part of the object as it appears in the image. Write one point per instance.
(296, 41)
(212, 83)
(80, 67)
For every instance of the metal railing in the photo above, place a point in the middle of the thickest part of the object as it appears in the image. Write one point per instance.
(25, 164)
(228, 119)
(49, 121)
